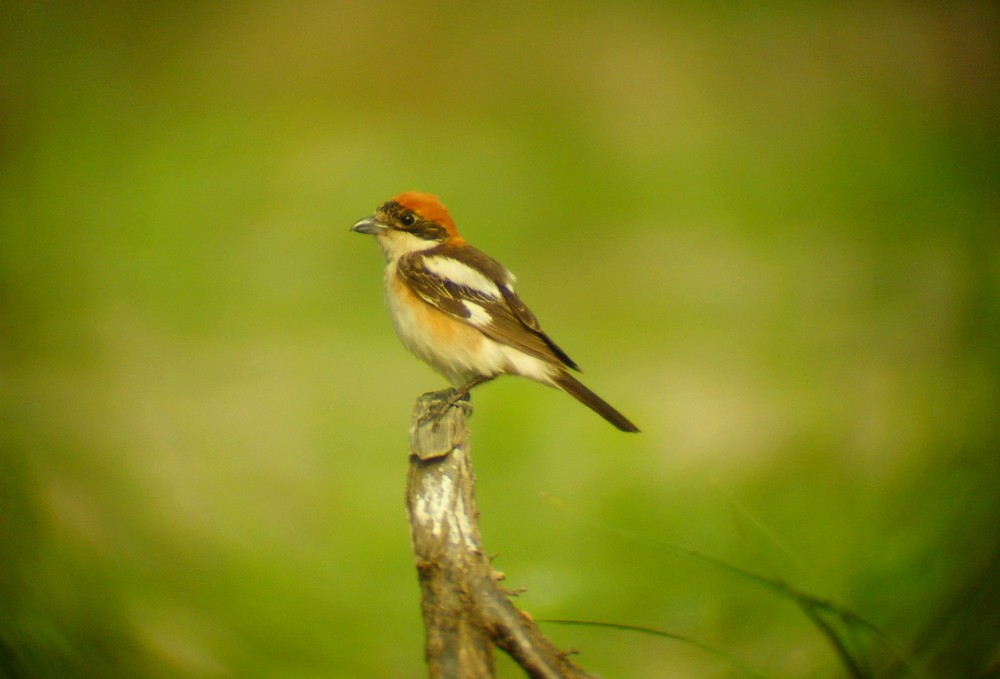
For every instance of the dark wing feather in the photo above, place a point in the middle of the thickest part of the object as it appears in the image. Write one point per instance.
(511, 322)
(440, 293)
(527, 319)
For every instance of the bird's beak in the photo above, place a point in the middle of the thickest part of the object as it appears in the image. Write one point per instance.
(369, 225)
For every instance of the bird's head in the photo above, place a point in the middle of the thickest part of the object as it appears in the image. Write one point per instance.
(410, 222)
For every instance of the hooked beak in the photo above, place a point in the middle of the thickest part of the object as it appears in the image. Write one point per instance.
(369, 225)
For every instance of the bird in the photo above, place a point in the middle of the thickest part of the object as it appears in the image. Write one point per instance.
(454, 306)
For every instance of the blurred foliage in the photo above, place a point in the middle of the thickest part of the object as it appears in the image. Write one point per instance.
(768, 232)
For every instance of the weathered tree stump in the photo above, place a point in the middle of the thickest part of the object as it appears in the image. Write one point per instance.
(465, 610)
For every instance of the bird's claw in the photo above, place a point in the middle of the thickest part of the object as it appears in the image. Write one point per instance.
(439, 408)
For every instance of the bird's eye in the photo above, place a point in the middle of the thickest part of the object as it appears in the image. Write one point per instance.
(408, 219)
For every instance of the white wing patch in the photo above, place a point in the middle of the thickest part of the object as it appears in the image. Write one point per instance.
(461, 274)
(478, 316)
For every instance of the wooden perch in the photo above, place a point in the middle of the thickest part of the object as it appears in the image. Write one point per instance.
(465, 611)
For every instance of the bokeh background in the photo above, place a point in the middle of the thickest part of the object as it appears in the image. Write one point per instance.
(769, 233)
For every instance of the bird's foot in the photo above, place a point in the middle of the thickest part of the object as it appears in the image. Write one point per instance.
(442, 403)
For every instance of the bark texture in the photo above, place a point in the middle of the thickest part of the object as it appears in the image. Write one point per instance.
(465, 610)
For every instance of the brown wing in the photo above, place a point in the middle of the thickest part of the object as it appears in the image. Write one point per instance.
(478, 292)
(527, 320)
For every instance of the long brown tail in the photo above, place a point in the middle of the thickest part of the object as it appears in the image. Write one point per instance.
(575, 388)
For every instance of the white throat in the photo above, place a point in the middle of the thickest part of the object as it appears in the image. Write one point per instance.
(394, 244)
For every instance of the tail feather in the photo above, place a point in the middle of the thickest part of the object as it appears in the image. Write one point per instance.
(575, 388)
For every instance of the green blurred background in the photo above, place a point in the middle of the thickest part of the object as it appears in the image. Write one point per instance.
(768, 233)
